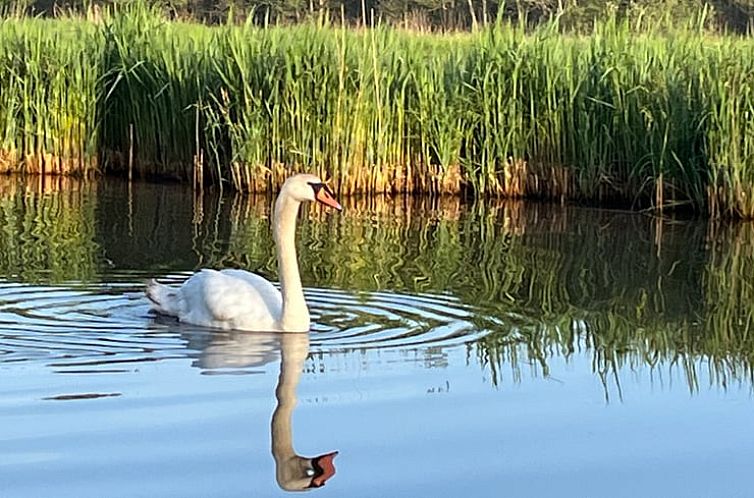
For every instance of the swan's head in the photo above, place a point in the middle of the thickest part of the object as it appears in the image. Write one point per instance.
(304, 474)
(309, 188)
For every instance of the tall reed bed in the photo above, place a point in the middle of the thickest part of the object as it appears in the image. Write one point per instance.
(646, 119)
(631, 116)
(250, 104)
(49, 84)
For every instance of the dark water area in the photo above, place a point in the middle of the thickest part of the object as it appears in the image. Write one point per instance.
(490, 349)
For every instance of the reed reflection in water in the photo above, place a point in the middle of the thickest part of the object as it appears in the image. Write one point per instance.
(48, 229)
(516, 284)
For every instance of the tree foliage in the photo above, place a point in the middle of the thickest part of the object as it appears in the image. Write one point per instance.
(735, 16)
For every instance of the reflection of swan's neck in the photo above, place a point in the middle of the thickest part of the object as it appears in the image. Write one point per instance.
(295, 314)
(295, 349)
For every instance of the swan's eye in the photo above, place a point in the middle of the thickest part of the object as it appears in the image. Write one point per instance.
(325, 191)
(323, 194)
(316, 187)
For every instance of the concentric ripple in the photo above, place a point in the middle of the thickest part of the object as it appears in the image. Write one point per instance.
(388, 320)
(108, 326)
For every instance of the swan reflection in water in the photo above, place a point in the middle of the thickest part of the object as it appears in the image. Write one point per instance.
(219, 349)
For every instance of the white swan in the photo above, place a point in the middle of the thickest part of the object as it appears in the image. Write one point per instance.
(240, 300)
(294, 472)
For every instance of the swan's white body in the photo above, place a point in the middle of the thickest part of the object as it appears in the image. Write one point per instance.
(240, 300)
(226, 299)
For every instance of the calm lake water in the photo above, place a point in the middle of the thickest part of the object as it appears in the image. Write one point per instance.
(482, 350)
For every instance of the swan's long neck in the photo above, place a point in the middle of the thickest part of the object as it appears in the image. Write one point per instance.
(295, 349)
(295, 314)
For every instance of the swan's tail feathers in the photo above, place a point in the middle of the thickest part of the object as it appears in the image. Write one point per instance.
(164, 298)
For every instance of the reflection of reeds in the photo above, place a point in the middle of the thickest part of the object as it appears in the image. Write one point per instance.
(729, 297)
(48, 229)
(544, 281)
(630, 303)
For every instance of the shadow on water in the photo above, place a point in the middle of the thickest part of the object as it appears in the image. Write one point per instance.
(516, 284)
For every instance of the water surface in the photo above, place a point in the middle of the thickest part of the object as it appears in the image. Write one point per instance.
(490, 349)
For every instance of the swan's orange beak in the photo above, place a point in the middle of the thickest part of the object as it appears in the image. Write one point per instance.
(325, 196)
(324, 469)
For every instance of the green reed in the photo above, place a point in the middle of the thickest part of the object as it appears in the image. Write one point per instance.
(500, 112)
(49, 82)
(629, 115)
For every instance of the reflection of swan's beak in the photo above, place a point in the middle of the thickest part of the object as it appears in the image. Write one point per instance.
(326, 197)
(324, 469)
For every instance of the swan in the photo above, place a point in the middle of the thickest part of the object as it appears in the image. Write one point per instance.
(294, 472)
(233, 299)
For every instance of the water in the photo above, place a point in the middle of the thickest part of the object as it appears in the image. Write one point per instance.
(458, 350)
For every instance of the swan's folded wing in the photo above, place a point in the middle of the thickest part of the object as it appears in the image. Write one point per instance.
(231, 300)
(268, 294)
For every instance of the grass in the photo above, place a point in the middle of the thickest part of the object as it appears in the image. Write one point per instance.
(49, 83)
(631, 115)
